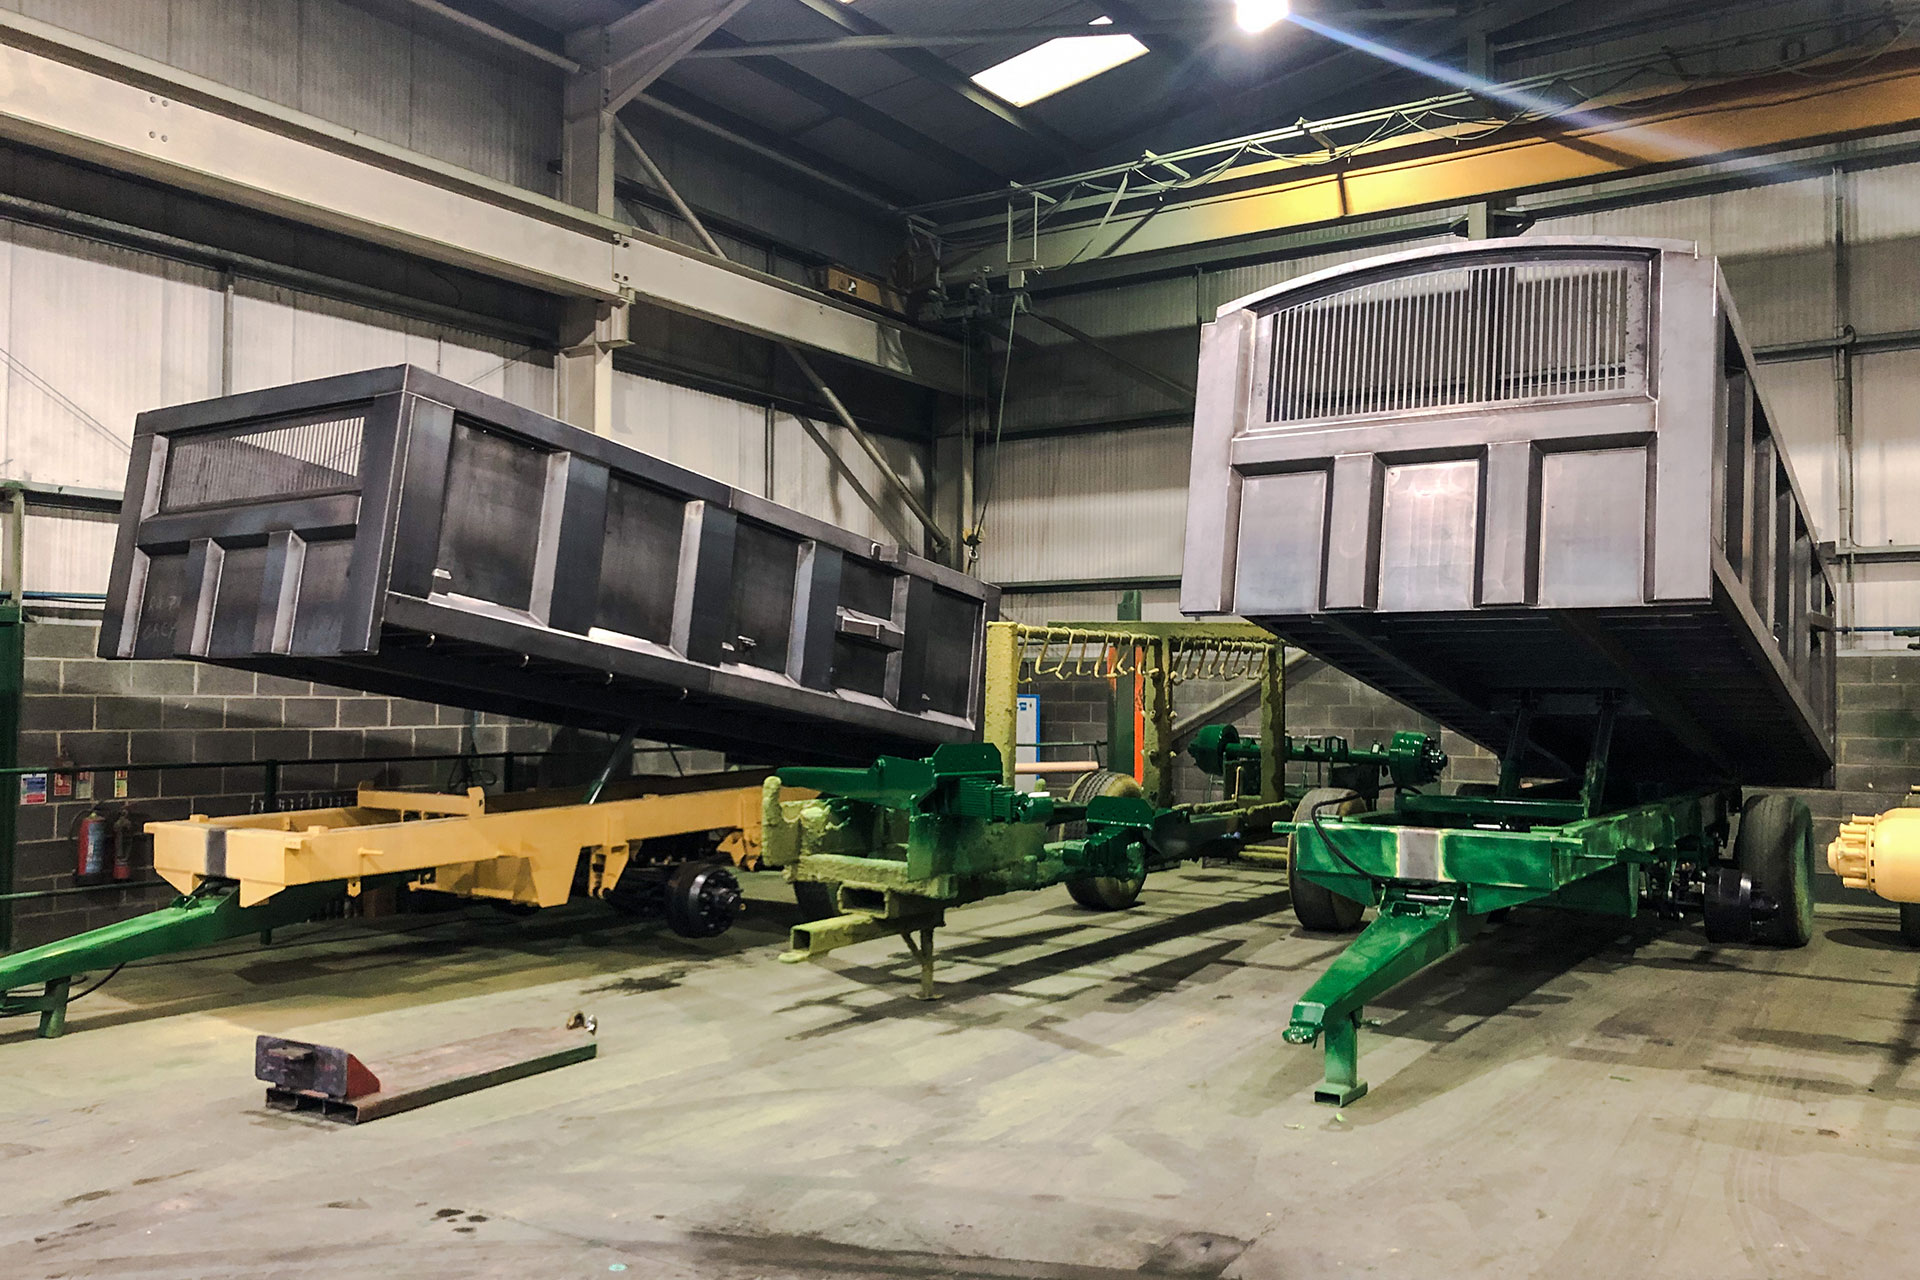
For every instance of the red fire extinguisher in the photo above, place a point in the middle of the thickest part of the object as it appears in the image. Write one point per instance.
(126, 836)
(92, 847)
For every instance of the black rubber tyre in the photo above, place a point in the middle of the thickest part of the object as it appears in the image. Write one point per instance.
(1774, 845)
(816, 900)
(1910, 923)
(1103, 893)
(1318, 908)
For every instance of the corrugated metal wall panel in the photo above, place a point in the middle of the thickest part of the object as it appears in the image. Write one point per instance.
(1883, 219)
(1055, 378)
(1886, 467)
(1883, 204)
(254, 47)
(1140, 308)
(368, 84)
(93, 335)
(1157, 604)
(1086, 506)
(818, 468)
(1688, 219)
(722, 438)
(1631, 40)
(499, 369)
(1776, 249)
(842, 230)
(1800, 397)
(404, 77)
(138, 28)
(1783, 297)
(1071, 385)
(68, 553)
(1884, 595)
(280, 336)
(472, 109)
(1782, 217)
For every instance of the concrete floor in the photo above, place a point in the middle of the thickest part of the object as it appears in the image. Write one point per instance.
(1096, 1096)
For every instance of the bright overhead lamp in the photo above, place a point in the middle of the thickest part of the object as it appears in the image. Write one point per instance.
(1255, 16)
(1046, 69)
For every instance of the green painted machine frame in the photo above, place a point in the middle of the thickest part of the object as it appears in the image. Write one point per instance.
(1435, 881)
(208, 915)
(902, 841)
(1435, 866)
(899, 843)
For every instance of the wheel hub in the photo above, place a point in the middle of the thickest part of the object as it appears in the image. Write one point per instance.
(702, 901)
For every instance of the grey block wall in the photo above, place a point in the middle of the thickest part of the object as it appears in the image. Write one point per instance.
(1879, 730)
(108, 714)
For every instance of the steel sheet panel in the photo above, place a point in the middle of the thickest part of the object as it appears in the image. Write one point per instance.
(397, 532)
(1527, 473)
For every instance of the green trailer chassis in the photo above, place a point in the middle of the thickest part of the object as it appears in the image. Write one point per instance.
(210, 914)
(904, 840)
(1433, 883)
(1435, 866)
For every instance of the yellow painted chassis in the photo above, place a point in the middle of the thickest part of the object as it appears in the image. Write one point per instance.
(526, 849)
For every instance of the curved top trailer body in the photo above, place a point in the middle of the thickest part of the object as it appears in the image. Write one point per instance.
(400, 533)
(1505, 482)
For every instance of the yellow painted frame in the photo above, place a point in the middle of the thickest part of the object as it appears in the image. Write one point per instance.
(451, 842)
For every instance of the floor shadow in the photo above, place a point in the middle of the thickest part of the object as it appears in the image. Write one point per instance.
(1871, 939)
(1188, 1256)
(1051, 964)
(375, 957)
(1493, 975)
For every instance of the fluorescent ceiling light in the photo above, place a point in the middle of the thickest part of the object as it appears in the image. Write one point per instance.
(1255, 16)
(1046, 69)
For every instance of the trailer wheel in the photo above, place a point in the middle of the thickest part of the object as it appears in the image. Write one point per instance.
(1317, 908)
(1102, 893)
(1910, 923)
(816, 899)
(1105, 893)
(1775, 846)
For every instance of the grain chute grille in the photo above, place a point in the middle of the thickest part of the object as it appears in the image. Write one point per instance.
(1460, 336)
(274, 460)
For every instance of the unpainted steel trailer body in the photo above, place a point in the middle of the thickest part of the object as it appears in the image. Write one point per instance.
(1522, 472)
(397, 532)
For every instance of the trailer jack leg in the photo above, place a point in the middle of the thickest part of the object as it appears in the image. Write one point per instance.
(1409, 934)
(212, 913)
(924, 954)
(50, 1004)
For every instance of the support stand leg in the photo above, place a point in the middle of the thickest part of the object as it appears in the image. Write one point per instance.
(1343, 1083)
(1403, 939)
(923, 952)
(53, 1013)
(212, 914)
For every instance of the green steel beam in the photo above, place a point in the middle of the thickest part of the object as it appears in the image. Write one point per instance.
(1403, 939)
(12, 682)
(212, 914)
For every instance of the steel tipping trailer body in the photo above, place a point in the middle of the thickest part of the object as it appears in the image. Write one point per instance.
(1530, 489)
(1521, 469)
(398, 532)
